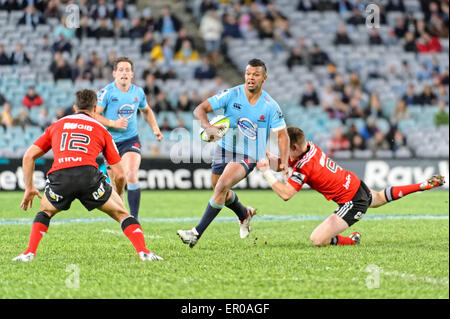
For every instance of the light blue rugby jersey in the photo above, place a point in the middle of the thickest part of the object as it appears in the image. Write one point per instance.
(121, 104)
(249, 124)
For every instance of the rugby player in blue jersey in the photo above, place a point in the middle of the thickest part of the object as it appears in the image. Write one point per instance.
(117, 107)
(253, 114)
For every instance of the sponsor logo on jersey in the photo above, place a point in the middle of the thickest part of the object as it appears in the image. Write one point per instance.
(348, 179)
(262, 118)
(73, 126)
(69, 159)
(222, 94)
(52, 194)
(247, 128)
(358, 215)
(99, 192)
(136, 99)
(280, 114)
(114, 99)
(126, 110)
(237, 106)
(101, 95)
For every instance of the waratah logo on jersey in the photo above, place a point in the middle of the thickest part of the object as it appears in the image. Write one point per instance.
(248, 128)
(126, 110)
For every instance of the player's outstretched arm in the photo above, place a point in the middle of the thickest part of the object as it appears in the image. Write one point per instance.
(274, 161)
(283, 145)
(285, 191)
(121, 123)
(31, 155)
(149, 117)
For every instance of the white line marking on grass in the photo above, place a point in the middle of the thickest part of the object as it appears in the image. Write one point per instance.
(411, 277)
(261, 218)
(115, 232)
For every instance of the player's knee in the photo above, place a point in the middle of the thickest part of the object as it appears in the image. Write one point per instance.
(132, 177)
(222, 187)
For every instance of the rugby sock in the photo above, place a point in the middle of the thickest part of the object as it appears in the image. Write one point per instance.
(38, 230)
(341, 240)
(210, 213)
(134, 198)
(396, 192)
(133, 230)
(235, 205)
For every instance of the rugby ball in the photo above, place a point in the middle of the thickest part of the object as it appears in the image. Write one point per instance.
(221, 121)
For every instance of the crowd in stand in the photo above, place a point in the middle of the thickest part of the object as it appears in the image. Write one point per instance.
(345, 99)
(166, 42)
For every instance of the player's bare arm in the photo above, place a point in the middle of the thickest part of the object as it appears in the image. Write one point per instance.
(200, 113)
(149, 117)
(285, 191)
(274, 161)
(121, 123)
(283, 145)
(31, 155)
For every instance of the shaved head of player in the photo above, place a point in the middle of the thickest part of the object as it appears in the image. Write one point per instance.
(313, 167)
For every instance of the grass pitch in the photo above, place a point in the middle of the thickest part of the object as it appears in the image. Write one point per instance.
(404, 251)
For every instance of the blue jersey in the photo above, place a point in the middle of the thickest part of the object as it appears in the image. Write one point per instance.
(122, 104)
(249, 124)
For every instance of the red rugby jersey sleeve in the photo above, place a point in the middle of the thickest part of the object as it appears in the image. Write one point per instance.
(110, 150)
(298, 178)
(44, 142)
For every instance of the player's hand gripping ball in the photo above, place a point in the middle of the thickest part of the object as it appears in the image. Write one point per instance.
(223, 125)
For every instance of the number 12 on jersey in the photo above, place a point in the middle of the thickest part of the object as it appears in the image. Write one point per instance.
(75, 142)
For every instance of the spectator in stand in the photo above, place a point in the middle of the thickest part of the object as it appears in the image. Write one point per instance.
(187, 53)
(62, 28)
(148, 42)
(428, 97)
(183, 35)
(7, 118)
(400, 27)
(85, 30)
(309, 96)
(32, 99)
(168, 24)
(369, 129)
(339, 83)
(151, 89)
(2, 100)
(120, 11)
(437, 27)
(395, 5)
(42, 119)
(97, 69)
(59, 114)
(184, 104)
(374, 37)
(165, 126)
(265, 29)
(180, 124)
(100, 10)
(296, 57)
(338, 142)
(62, 45)
(410, 96)
(355, 109)
(306, 5)
(163, 53)
(428, 44)
(378, 142)
(31, 17)
(355, 81)
(374, 108)
(103, 31)
(397, 140)
(318, 57)
(4, 59)
(410, 42)
(230, 27)
(211, 29)
(342, 36)
(19, 56)
(52, 10)
(400, 112)
(137, 29)
(328, 98)
(442, 95)
(59, 68)
(23, 119)
(207, 5)
(162, 104)
(206, 70)
(81, 71)
(147, 19)
(356, 18)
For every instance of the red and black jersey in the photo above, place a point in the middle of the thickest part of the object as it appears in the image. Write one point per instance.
(77, 140)
(321, 173)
